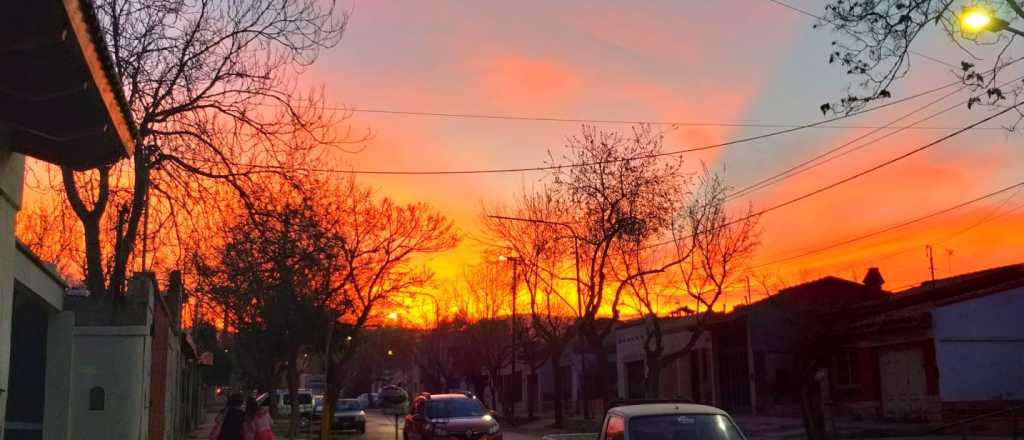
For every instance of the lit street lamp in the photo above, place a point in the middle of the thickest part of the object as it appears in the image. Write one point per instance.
(515, 280)
(979, 18)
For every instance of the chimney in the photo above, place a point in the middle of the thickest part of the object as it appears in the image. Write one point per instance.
(873, 280)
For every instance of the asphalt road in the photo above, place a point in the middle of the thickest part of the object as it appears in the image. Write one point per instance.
(381, 427)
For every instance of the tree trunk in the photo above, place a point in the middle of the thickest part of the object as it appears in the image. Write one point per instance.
(556, 365)
(292, 377)
(602, 390)
(90, 218)
(652, 382)
(531, 399)
(812, 410)
(494, 390)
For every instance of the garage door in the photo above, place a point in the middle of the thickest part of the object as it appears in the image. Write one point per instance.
(903, 383)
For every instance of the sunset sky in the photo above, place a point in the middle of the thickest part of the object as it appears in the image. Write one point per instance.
(727, 61)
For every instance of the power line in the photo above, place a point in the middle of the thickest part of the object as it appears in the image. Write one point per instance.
(893, 227)
(810, 164)
(813, 162)
(625, 121)
(891, 161)
(579, 165)
(855, 176)
(820, 18)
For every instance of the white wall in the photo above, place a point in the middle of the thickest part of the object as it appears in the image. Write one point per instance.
(12, 168)
(979, 347)
(116, 359)
(630, 346)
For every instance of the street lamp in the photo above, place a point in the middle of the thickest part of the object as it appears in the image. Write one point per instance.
(515, 287)
(979, 18)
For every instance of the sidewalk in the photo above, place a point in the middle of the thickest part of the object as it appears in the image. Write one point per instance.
(203, 431)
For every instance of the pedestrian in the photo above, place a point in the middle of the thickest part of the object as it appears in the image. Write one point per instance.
(258, 425)
(229, 422)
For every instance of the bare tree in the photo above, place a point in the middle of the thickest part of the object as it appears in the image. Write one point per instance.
(532, 232)
(489, 336)
(875, 39)
(712, 248)
(378, 241)
(212, 89)
(620, 190)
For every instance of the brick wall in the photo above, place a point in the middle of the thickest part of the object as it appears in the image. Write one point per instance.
(158, 372)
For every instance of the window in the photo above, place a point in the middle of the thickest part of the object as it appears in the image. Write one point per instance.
(304, 399)
(451, 408)
(97, 399)
(844, 367)
(615, 428)
(683, 427)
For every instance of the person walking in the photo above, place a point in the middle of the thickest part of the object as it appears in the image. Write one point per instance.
(229, 422)
(257, 424)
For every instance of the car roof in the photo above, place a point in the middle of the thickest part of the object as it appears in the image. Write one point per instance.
(650, 409)
(449, 396)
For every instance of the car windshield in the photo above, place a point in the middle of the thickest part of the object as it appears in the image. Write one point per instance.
(346, 405)
(449, 408)
(304, 399)
(683, 427)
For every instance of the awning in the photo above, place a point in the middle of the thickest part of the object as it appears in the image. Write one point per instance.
(58, 93)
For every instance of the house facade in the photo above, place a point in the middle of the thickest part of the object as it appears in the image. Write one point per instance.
(939, 352)
(59, 103)
(689, 376)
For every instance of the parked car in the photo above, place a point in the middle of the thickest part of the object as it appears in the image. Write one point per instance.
(667, 421)
(441, 416)
(348, 414)
(283, 401)
(371, 400)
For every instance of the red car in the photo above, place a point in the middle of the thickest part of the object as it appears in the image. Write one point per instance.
(450, 416)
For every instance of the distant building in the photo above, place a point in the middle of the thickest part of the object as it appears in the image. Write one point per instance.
(764, 352)
(942, 351)
(689, 376)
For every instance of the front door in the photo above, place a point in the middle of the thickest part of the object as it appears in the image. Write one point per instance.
(635, 379)
(903, 383)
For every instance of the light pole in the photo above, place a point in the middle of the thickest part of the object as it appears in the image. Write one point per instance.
(579, 293)
(980, 18)
(626, 225)
(515, 287)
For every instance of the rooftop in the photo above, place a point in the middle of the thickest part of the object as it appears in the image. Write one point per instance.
(59, 94)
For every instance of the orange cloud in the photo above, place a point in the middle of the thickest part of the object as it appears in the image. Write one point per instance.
(520, 82)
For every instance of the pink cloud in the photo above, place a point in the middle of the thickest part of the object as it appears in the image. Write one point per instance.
(522, 82)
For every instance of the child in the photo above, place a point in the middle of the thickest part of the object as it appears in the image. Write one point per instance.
(258, 424)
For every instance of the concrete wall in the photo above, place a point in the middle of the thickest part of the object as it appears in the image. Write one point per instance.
(979, 347)
(116, 359)
(59, 374)
(675, 378)
(12, 170)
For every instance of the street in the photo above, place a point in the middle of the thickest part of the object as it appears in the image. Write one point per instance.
(382, 427)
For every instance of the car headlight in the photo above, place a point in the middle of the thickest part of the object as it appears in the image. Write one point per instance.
(494, 428)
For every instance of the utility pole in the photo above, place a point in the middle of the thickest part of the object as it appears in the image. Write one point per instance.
(510, 401)
(748, 290)
(931, 263)
(515, 378)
